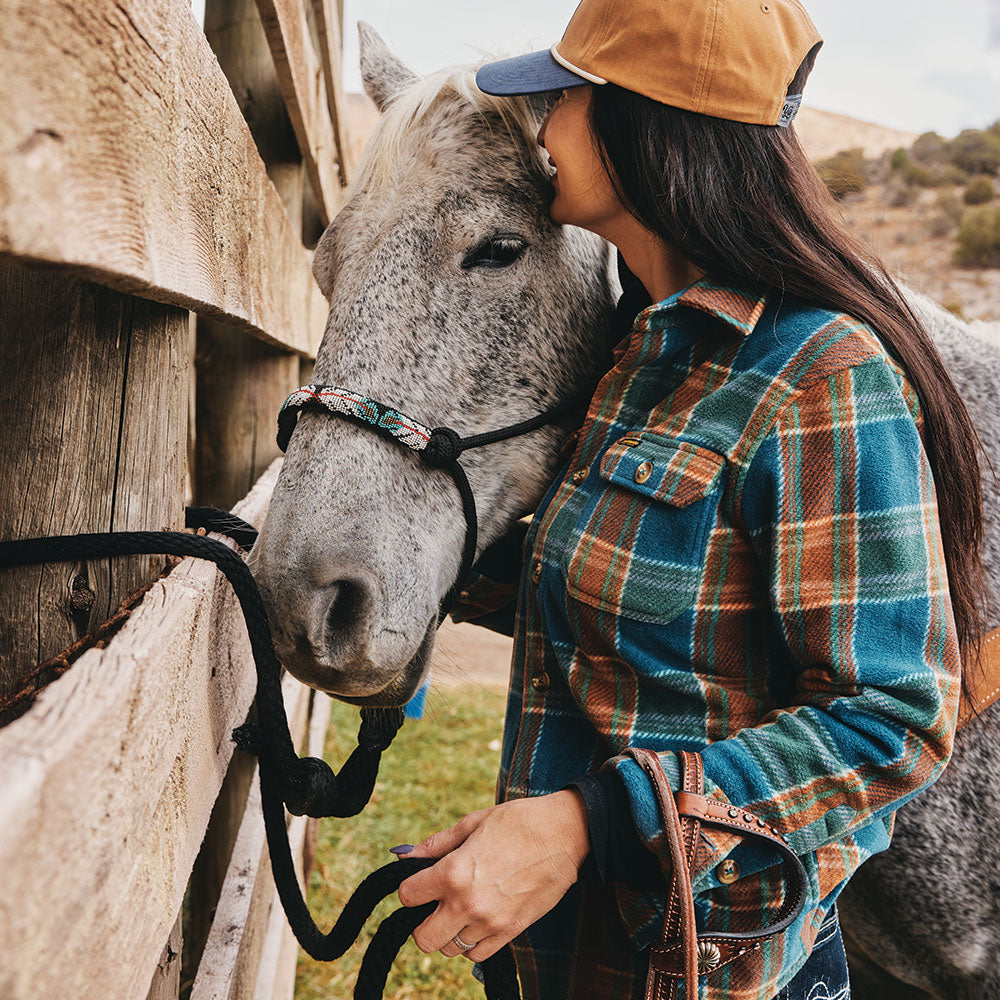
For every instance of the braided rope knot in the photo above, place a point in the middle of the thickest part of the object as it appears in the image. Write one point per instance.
(443, 449)
(379, 727)
(249, 738)
(312, 787)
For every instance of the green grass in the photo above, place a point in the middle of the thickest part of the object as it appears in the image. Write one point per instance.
(438, 769)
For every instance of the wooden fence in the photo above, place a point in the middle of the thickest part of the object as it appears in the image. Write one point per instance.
(160, 186)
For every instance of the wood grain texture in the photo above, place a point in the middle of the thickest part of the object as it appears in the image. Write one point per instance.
(107, 784)
(328, 21)
(166, 984)
(241, 385)
(234, 30)
(125, 158)
(303, 86)
(93, 405)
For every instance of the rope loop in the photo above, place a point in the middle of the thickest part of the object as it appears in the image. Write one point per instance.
(443, 449)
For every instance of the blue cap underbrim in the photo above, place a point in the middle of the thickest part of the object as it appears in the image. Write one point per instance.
(527, 74)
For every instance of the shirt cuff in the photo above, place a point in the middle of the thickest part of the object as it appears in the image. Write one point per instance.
(618, 852)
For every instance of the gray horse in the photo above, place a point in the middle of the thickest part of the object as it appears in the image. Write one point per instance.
(455, 298)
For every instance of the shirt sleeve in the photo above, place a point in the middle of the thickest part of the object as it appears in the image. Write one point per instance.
(839, 505)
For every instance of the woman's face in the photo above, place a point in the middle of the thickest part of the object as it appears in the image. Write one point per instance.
(584, 195)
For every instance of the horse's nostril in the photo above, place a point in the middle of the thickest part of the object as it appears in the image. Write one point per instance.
(345, 613)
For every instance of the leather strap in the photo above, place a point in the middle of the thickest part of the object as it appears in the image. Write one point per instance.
(984, 683)
(677, 954)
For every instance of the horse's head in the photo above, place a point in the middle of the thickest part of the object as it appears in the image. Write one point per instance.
(455, 299)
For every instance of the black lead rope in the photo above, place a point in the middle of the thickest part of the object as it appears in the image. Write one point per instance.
(306, 786)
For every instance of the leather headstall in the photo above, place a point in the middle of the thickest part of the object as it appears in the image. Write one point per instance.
(680, 954)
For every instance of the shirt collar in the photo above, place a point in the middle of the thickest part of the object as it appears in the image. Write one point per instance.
(738, 308)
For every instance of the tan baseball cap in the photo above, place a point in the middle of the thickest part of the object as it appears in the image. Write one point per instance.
(731, 59)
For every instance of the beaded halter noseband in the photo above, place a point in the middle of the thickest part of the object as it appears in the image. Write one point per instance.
(438, 447)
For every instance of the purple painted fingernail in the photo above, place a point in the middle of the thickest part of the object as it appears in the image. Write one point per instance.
(401, 849)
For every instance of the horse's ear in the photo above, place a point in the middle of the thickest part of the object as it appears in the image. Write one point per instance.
(383, 73)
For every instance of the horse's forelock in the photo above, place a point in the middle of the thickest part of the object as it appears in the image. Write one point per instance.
(379, 163)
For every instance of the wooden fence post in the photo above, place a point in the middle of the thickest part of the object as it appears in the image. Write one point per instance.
(93, 404)
(241, 382)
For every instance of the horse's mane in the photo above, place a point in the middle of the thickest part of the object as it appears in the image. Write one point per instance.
(380, 160)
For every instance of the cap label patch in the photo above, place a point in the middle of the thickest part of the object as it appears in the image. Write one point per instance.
(792, 104)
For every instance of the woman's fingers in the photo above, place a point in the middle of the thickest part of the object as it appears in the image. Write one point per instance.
(437, 932)
(467, 936)
(499, 871)
(486, 948)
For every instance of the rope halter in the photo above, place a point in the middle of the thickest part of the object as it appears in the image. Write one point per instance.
(438, 447)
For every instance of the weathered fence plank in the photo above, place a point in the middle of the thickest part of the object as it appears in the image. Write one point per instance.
(302, 84)
(166, 984)
(279, 954)
(328, 19)
(93, 407)
(242, 383)
(106, 787)
(150, 181)
(235, 32)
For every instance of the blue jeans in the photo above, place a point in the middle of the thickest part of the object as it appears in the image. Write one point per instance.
(824, 976)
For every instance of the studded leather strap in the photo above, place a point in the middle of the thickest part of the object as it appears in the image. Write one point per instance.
(680, 953)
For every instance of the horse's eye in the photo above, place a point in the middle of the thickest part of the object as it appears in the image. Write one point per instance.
(500, 250)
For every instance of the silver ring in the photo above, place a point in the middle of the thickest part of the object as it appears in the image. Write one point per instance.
(459, 943)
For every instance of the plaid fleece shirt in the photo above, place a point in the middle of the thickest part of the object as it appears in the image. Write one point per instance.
(742, 557)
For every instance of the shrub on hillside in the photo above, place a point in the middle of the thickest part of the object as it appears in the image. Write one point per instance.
(845, 172)
(980, 191)
(976, 152)
(899, 159)
(979, 237)
(928, 148)
(950, 205)
(902, 195)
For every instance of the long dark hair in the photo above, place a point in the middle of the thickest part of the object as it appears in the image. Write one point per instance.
(743, 203)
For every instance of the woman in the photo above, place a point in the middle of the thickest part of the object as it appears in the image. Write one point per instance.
(744, 556)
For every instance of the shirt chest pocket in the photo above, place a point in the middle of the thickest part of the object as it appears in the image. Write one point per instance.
(640, 536)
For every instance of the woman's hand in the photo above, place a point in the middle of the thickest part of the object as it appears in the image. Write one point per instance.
(500, 870)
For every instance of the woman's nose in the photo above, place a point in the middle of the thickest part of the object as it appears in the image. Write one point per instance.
(540, 138)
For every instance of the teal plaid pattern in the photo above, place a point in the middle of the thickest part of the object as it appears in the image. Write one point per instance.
(751, 568)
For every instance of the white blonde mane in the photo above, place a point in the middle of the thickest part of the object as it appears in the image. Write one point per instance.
(382, 154)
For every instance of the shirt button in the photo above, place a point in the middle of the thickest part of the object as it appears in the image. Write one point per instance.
(540, 682)
(643, 472)
(728, 872)
(579, 476)
(536, 571)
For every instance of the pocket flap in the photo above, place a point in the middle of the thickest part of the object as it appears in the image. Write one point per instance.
(668, 469)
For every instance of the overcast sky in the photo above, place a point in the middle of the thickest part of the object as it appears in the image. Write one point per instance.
(911, 64)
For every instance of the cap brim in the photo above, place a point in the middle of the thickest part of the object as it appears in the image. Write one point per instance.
(527, 74)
